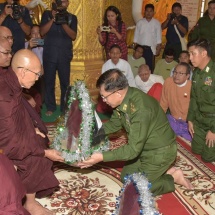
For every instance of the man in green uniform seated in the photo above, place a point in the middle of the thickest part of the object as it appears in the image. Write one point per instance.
(201, 113)
(151, 147)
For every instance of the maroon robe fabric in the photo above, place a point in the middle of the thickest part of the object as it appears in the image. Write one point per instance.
(12, 189)
(18, 138)
(73, 122)
(36, 96)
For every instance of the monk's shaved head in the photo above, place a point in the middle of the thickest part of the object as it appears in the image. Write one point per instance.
(25, 58)
(27, 67)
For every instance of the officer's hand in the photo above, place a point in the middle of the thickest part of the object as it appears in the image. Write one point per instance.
(210, 139)
(8, 10)
(190, 128)
(53, 155)
(95, 158)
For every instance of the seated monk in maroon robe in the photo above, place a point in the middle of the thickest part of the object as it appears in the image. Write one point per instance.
(22, 134)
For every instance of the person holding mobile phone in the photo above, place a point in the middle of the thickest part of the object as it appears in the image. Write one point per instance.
(35, 42)
(35, 95)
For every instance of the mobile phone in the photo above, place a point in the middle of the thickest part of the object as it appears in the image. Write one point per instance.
(40, 42)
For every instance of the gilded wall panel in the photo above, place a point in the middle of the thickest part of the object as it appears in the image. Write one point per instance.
(125, 8)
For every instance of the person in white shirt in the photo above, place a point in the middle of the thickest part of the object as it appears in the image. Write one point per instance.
(149, 83)
(116, 63)
(148, 34)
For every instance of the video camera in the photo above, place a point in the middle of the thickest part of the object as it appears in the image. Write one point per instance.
(62, 16)
(17, 10)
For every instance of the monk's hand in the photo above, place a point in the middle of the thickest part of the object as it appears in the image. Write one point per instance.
(40, 133)
(53, 155)
(190, 128)
(210, 139)
(32, 101)
(95, 158)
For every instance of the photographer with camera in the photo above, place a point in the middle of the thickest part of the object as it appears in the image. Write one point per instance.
(18, 20)
(176, 24)
(59, 29)
(113, 31)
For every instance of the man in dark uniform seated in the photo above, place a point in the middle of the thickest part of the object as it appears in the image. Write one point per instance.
(151, 147)
(22, 134)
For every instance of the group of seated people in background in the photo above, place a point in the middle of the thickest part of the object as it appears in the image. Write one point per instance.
(170, 83)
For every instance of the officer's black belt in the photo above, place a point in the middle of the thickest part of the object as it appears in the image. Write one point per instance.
(208, 114)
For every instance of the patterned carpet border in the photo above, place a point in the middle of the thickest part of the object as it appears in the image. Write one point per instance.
(200, 200)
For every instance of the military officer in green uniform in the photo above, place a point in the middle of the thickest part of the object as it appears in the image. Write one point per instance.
(205, 27)
(151, 147)
(201, 113)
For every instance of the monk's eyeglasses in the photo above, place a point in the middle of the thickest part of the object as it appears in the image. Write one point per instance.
(39, 74)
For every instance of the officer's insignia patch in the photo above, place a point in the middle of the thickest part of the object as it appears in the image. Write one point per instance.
(208, 81)
(133, 109)
(207, 69)
(127, 119)
(118, 113)
(124, 107)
